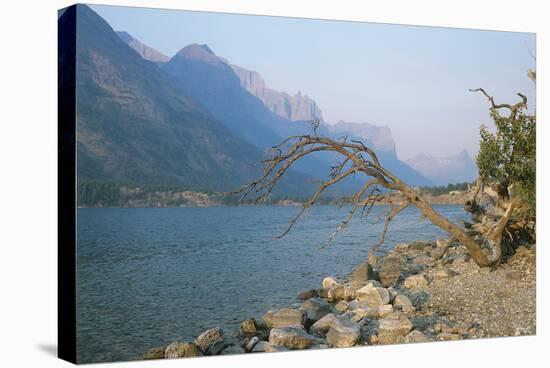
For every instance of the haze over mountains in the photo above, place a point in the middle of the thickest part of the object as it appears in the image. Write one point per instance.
(193, 120)
(145, 51)
(294, 108)
(135, 125)
(457, 168)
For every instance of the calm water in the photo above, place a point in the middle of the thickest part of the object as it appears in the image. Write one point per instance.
(147, 277)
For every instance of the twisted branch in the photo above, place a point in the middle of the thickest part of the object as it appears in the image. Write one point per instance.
(513, 108)
(362, 159)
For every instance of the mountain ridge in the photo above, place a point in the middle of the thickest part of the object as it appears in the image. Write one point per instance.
(211, 80)
(295, 107)
(450, 169)
(136, 126)
(145, 51)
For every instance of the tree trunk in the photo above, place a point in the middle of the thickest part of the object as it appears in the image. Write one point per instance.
(474, 249)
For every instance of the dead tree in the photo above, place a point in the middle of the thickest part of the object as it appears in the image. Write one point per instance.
(358, 159)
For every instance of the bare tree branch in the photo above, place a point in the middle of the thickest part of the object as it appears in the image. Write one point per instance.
(394, 212)
(315, 197)
(513, 108)
(358, 158)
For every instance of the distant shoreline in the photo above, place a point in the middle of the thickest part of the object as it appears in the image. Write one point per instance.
(120, 195)
(297, 204)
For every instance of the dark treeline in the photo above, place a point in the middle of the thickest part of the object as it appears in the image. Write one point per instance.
(115, 194)
(446, 189)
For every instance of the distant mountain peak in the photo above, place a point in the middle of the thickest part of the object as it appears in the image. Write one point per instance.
(146, 52)
(198, 52)
(297, 107)
(445, 170)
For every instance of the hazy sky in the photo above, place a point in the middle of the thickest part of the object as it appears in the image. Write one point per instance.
(412, 79)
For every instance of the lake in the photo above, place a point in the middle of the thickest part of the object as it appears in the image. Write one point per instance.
(149, 276)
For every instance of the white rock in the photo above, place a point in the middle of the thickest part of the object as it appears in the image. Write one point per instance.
(329, 282)
(250, 345)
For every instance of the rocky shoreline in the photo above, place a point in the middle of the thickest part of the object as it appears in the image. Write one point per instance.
(418, 292)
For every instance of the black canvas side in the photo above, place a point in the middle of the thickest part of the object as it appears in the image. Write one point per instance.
(66, 178)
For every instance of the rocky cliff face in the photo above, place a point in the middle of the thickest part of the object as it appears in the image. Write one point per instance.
(146, 52)
(136, 126)
(240, 99)
(296, 108)
(458, 168)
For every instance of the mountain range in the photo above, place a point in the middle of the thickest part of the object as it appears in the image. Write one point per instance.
(212, 80)
(457, 168)
(135, 125)
(295, 108)
(194, 120)
(145, 51)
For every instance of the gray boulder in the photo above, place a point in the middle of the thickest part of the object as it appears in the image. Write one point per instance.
(233, 349)
(373, 296)
(208, 338)
(362, 273)
(155, 353)
(284, 317)
(391, 327)
(181, 350)
(251, 343)
(351, 288)
(413, 337)
(341, 306)
(344, 332)
(321, 327)
(305, 295)
(416, 336)
(260, 347)
(403, 303)
(315, 309)
(336, 293)
(293, 338)
(247, 327)
(384, 310)
(390, 267)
